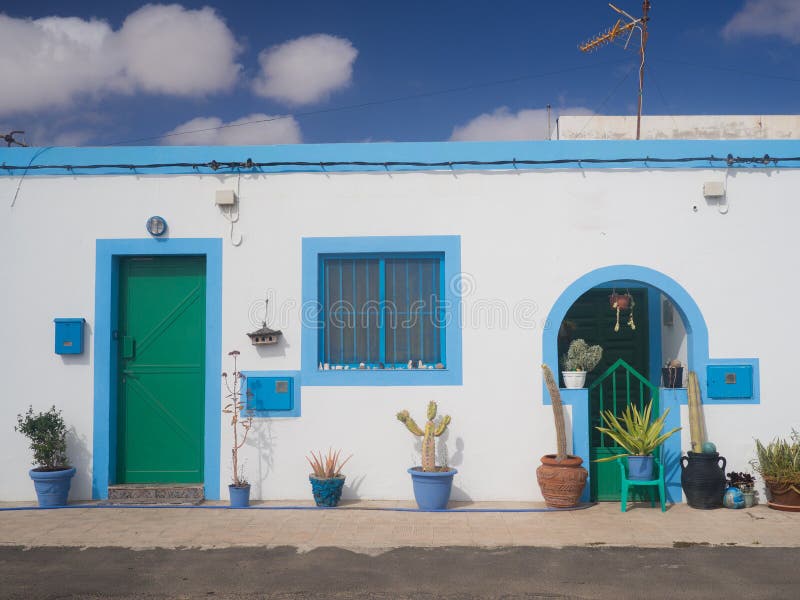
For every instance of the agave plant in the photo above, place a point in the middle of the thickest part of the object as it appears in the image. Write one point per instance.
(634, 431)
(327, 466)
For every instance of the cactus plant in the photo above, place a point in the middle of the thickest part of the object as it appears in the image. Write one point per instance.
(558, 413)
(429, 434)
(695, 416)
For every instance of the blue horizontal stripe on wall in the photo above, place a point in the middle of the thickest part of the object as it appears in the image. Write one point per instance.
(573, 150)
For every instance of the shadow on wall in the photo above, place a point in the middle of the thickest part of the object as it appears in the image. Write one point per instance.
(273, 350)
(263, 441)
(84, 358)
(81, 458)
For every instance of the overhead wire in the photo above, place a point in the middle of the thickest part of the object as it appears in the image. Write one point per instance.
(463, 88)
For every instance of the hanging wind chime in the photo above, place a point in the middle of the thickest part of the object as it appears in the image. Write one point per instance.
(620, 302)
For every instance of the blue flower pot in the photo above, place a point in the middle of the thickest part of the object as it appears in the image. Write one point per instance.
(52, 487)
(327, 492)
(640, 468)
(240, 496)
(432, 490)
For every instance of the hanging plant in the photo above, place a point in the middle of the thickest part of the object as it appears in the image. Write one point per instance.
(620, 302)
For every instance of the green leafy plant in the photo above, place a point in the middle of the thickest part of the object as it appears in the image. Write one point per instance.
(634, 431)
(429, 434)
(241, 418)
(778, 461)
(327, 466)
(581, 356)
(48, 436)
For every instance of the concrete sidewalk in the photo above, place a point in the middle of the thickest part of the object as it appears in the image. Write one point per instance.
(374, 531)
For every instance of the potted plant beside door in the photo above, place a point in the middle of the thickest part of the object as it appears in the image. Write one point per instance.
(638, 436)
(578, 361)
(48, 437)
(241, 422)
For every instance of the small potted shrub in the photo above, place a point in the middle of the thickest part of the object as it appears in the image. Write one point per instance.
(47, 434)
(241, 421)
(432, 484)
(638, 436)
(327, 479)
(578, 361)
(778, 463)
(672, 374)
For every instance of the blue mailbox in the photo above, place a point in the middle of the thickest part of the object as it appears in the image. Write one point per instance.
(69, 336)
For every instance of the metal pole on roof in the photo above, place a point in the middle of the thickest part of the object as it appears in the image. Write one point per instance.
(645, 19)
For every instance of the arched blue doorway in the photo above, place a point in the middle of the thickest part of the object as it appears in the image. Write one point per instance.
(697, 354)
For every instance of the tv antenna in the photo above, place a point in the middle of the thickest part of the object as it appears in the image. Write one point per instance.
(8, 138)
(625, 28)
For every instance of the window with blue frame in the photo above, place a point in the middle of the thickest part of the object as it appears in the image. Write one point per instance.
(382, 310)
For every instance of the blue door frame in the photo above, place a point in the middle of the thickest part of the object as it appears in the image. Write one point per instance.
(108, 253)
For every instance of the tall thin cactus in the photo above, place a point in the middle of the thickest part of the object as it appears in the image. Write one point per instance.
(695, 415)
(428, 435)
(558, 413)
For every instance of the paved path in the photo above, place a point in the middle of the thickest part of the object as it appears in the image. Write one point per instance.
(372, 532)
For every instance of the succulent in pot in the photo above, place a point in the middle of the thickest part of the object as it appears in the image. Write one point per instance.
(432, 484)
(638, 435)
(578, 361)
(326, 478)
(47, 434)
(778, 463)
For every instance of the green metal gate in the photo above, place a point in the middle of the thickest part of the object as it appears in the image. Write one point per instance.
(618, 387)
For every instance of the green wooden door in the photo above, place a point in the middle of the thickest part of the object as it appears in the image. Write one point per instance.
(161, 338)
(592, 319)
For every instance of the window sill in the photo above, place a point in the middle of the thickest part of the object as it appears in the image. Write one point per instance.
(381, 377)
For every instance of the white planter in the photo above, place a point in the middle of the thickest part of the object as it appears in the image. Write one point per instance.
(574, 379)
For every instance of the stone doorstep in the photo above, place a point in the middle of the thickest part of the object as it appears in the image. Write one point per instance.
(156, 493)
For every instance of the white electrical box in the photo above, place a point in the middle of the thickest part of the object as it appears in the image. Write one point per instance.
(226, 197)
(711, 189)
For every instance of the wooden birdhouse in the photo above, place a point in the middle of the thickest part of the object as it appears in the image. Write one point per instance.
(264, 336)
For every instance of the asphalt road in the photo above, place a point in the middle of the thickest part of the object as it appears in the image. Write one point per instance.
(462, 573)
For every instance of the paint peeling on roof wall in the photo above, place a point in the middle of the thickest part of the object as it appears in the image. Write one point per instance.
(679, 127)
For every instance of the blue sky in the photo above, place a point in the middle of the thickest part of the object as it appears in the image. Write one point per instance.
(96, 73)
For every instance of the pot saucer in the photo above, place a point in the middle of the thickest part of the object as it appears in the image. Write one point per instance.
(786, 507)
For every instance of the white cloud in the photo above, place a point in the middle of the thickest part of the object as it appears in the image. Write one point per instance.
(502, 124)
(55, 61)
(779, 18)
(305, 70)
(241, 132)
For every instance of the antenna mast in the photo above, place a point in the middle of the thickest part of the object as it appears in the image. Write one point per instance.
(619, 29)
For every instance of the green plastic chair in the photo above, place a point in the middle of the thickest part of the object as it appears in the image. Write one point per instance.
(658, 483)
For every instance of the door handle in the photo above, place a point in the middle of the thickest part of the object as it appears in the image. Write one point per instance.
(128, 346)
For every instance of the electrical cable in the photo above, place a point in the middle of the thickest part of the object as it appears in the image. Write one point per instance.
(464, 88)
(251, 165)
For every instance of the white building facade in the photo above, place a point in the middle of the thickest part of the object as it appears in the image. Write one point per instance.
(473, 262)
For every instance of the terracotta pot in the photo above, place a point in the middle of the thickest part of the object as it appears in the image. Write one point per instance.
(783, 496)
(623, 301)
(562, 482)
